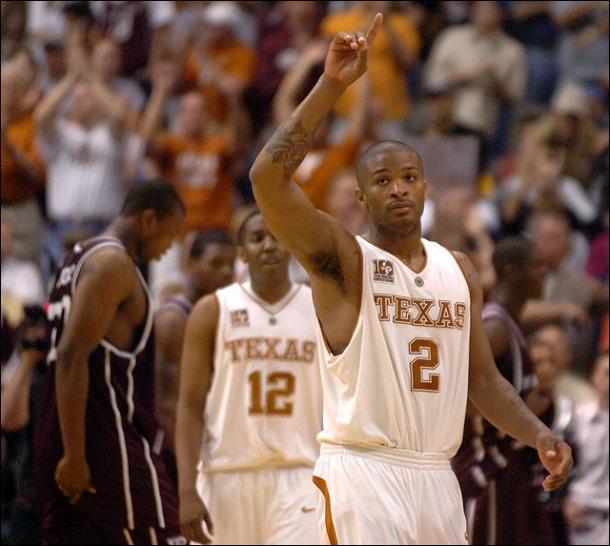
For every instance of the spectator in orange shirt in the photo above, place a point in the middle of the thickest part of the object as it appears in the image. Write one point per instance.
(218, 55)
(22, 167)
(195, 158)
(394, 52)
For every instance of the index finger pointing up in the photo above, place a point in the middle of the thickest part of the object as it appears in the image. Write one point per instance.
(374, 28)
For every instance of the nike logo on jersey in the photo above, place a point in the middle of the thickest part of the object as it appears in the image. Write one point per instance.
(306, 510)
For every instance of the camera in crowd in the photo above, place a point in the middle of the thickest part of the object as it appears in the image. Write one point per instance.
(34, 330)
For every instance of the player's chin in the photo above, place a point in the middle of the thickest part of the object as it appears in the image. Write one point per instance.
(401, 223)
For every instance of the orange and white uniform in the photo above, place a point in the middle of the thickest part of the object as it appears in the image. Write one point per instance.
(262, 416)
(394, 406)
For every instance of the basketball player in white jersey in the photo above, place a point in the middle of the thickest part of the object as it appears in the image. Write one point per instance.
(399, 332)
(250, 405)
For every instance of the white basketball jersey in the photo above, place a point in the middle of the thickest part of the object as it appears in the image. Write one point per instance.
(264, 407)
(402, 382)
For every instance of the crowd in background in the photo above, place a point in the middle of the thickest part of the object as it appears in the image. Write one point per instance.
(507, 102)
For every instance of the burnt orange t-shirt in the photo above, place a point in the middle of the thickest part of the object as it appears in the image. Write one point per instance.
(236, 60)
(16, 186)
(316, 182)
(199, 170)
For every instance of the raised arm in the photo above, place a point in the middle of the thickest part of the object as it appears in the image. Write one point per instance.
(291, 217)
(102, 286)
(46, 112)
(195, 377)
(113, 106)
(285, 100)
(163, 80)
(496, 399)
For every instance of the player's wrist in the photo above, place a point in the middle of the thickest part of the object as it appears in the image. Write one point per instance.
(332, 84)
(543, 433)
(75, 457)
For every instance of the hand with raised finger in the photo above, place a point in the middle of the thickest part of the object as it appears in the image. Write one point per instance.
(556, 456)
(347, 55)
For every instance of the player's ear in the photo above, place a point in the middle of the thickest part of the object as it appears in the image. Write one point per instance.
(241, 254)
(361, 198)
(148, 220)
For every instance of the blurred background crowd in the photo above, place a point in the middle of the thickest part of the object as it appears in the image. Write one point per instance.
(507, 102)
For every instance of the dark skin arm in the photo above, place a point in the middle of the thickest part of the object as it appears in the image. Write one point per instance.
(195, 379)
(328, 252)
(102, 286)
(169, 335)
(497, 400)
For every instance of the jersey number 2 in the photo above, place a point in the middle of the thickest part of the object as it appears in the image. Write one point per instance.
(274, 405)
(429, 361)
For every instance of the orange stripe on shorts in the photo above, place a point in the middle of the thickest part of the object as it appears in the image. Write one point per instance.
(328, 517)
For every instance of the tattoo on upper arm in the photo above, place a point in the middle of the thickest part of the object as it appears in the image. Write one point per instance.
(289, 145)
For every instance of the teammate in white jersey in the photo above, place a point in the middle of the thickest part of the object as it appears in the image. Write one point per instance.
(250, 405)
(400, 334)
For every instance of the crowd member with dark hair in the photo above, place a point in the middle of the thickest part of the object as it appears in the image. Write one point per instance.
(571, 382)
(560, 408)
(99, 478)
(210, 267)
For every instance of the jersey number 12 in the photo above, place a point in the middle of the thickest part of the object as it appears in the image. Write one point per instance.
(277, 386)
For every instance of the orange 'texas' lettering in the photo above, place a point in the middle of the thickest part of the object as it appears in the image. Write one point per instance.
(420, 312)
(263, 348)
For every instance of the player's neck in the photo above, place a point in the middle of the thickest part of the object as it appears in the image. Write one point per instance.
(124, 232)
(271, 288)
(193, 294)
(513, 303)
(406, 246)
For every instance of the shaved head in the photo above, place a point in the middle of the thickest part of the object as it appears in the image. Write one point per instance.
(385, 146)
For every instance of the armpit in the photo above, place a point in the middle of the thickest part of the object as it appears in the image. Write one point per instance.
(327, 264)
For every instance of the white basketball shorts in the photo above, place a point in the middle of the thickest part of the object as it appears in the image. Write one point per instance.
(373, 496)
(265, 506)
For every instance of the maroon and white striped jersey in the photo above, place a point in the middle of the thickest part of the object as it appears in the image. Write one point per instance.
(133, 489)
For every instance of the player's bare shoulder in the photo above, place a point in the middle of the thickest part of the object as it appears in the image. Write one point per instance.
(110, 266)
(205, 313)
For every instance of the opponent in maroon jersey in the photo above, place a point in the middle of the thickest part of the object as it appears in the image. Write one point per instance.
(211, 259)
(99, 477)
(495, 472)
